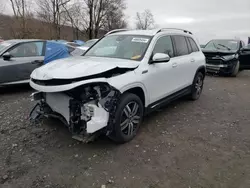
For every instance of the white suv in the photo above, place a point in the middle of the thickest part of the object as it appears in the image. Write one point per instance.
(124, 76)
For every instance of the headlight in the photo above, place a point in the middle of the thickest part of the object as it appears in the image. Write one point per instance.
(229, 57)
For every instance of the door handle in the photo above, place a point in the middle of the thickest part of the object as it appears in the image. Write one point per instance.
(192, 60)
(174, 65)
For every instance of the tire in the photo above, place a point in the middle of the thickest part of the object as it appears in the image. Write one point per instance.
(131, 120)
(197, 86)
(236, 69)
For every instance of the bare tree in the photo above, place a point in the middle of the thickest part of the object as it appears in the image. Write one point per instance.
(2, 7)
(53, 12)
(21, 14)
(93, 16)
(98, 13)
(115, 19)
(144, 20)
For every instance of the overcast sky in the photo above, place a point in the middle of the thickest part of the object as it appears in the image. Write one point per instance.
(206, 18)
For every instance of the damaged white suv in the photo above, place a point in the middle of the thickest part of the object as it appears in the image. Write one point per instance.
(124, 76)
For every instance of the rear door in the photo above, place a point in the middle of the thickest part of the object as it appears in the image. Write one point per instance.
(183, 62)
(197, 58)
(25, 58)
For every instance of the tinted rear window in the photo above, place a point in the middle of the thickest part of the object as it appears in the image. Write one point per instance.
(180, 45)
(193, 45)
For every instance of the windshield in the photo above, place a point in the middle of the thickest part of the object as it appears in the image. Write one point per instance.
(121, 46)
(90, 43)
(224, 45)
(4, 45)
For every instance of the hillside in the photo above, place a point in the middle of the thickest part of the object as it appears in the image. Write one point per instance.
(10, 28)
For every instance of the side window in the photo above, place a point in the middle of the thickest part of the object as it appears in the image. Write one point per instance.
(29, 49)
(164, 45)
(193, 45)
(180, 45)
(189, 45)
(242, 44)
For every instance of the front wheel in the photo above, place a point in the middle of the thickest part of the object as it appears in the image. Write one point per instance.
(128, 118)
(197, 86)
(236, 69)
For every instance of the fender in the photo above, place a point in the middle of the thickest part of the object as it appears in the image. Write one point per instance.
(202, 69)
(134, 85)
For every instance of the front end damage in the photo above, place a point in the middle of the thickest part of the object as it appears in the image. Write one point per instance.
(85, 110)
(222, 63)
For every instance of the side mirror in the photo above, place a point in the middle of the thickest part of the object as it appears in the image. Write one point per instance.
(160, 58)
(6, 56)
(245, 49)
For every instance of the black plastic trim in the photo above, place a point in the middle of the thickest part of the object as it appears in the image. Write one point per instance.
(166, 100)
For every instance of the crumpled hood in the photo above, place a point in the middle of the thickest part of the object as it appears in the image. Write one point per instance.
(218, 52)
(76, 67)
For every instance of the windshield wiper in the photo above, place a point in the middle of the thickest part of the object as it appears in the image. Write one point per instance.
(216, 47)
(224, 46)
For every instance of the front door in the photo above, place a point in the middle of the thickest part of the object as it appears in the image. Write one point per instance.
(159, 78)
(25, 57)
(245, 59)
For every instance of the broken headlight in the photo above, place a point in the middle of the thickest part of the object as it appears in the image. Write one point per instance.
(230, 57)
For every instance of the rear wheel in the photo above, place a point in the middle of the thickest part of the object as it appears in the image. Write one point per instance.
(128, 118)
(197, 86)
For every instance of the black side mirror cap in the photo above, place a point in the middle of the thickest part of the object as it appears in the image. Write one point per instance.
(6, 56)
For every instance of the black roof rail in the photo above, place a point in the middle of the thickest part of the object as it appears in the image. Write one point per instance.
(184, 30)
(115, 31)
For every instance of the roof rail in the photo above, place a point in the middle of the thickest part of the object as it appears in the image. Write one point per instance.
(115, 31)
(185, 31)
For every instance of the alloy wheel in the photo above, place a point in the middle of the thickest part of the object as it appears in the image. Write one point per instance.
(199, 85)
(130, 118)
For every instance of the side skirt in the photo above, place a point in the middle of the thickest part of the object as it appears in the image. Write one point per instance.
(163, 102)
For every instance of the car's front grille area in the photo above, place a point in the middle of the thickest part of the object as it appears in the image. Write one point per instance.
(213, 61)
(53, 82)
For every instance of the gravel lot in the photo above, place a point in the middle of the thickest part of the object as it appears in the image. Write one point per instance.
(205, 143)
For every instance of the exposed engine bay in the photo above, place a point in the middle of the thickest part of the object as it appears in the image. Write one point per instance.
(85, 110)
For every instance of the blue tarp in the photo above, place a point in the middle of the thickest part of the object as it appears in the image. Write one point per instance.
(80, 42)
(61, 41)
(55, 50)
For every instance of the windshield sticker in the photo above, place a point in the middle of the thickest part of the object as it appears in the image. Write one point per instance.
(136, 57)
(141, 40)
(233, 42)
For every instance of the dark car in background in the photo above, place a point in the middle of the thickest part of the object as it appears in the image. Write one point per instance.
(226, 56)
(18, 58)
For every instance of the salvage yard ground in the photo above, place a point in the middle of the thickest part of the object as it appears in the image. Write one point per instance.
(205, 143)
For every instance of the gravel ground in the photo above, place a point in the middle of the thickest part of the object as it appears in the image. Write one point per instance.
(205, 143)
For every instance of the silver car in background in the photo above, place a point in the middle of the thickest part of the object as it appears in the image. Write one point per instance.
(88, 44)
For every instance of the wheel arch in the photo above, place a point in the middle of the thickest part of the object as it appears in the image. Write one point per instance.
(201, 69)
(139, 90)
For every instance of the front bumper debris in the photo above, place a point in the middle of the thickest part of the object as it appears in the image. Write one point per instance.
(221, 68)
(84, 115)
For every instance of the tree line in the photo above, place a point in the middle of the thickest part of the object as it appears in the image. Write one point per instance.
(89, 18)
